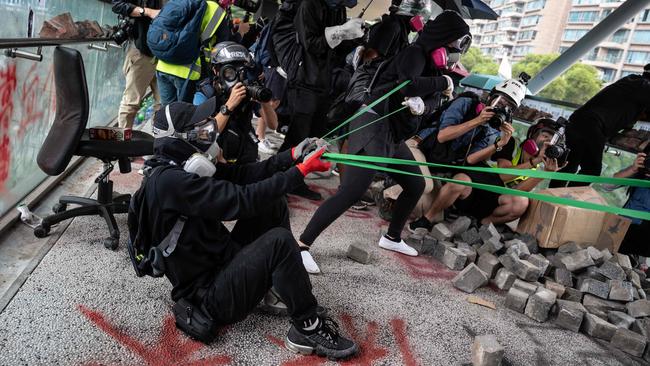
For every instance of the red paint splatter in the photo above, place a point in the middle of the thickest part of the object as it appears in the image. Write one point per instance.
(369, 351)
(29, 99)
(311, 360)
(7, 88)
(170, 349)
(358, 215)
(399, 331)
(296, 203)
(425, 267)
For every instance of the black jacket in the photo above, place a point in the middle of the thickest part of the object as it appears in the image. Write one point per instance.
(616, 107)
(234, 192)
(390, 35)
(141, 24)
(318, 59)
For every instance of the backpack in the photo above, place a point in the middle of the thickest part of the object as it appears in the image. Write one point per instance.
(443, 153)
(286, 46)
(264, 55)
(174, 35)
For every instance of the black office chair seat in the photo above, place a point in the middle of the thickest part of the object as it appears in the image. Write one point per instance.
(139, 145)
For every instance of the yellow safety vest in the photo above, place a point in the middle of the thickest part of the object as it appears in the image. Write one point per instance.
(182, 71)
(515, 161)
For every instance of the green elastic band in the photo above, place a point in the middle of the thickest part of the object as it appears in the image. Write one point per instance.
(503, 190)
(368, 107)
(366, 125)
(507, 171)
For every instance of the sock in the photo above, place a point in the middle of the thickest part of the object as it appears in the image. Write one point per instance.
(396, 239)
(304, 249)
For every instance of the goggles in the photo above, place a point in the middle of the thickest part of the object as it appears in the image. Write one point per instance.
(462, 44)
(230, 73)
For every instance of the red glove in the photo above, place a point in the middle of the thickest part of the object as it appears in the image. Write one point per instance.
(313, 163)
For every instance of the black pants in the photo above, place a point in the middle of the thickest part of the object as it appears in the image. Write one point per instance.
(269, 257)
(636, 240)
(309, 112)
(355, 183)
(587, 145)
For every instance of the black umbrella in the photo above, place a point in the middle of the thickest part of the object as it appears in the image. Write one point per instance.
(468, 9)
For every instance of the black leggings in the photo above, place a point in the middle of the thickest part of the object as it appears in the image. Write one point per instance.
(586, 153)
(355, 183)
(268, 259)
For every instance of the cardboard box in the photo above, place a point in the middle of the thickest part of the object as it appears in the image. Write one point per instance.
(110, 133)
(554, 225)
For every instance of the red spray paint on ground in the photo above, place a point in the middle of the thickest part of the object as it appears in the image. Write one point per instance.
(425, 267)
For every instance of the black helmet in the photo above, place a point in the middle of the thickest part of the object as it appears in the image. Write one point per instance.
(229, 53)
(543, 124)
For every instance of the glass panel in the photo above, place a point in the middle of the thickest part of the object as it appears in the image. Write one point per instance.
(27, 96)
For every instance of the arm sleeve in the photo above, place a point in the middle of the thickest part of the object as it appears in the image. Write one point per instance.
(310, 29)
(254, 172)
(220, 200)
(410, 66)
(122, 7)
(487, 140)
(455, 114)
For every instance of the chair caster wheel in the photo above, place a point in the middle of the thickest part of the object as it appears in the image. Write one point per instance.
(111, 243)
(59, 207)
(41, 231)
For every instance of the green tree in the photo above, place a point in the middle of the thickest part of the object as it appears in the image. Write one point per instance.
(474, 61)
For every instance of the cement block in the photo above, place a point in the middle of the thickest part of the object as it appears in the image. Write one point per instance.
(570, 247)
(556, 260)
(599, 312)
(611, 270)
(629, 342)
(509, 262)
(569, 315)
(577, 260)
(441, 248)
(642, 326)
(468, 250)
(620, 319)
(460, 225)
(531, 242)
(486, 351)
(470, 236)
(634, 278)
(623, 260)
(508, 243)
(539, 304)
(527, 271)
(489, 264)
(642, 294)
(488, 231)
(607, 255)
(571, 294)
(555, 287)
(594, 287)
(592, 272)
(638, 308)
(591, 300)
(621, 291)
(491, 246)
(426, 246)
(504, 279)
(527, 287)
(596, 255)
(441, 232)
(359, 252)
(563, 276)
(516, 300)
(540, 262)
(455, 259)
(519, 249)
(597, 327)
(470, 279)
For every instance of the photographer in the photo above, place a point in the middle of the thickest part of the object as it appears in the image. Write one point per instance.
(636, 239)
(231, 65)
(139, 66)
(218, 274)
(469, 133)
(616, 107)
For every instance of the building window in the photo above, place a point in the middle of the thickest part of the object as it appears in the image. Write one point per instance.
(645, 16)
(491, 27)
(605, 13)
(573, 34)
(641, 37)
(583, 16)
(530, 20)
(535, 5)
(625, 73)
(585, 2)
(527, 35)
(620, 36)
(562, 49)
(637, 57)
(612, 56)
(497, 3)
(607, 75)
(522, 50)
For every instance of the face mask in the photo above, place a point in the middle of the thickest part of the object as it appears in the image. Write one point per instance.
(453, 58)
(200, 165)
(417, 23)
(530, 147)
(439, 58)
(229, 75)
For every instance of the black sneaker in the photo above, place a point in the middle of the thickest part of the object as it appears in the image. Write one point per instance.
(368, 200)
(422, 222)
(305, 192)
(325, 341)
(360, 206)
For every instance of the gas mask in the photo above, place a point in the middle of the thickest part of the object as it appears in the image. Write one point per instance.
(229, 75)
(416, 23)
(447, 57)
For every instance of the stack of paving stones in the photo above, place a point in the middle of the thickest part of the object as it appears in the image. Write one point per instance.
(577, 287)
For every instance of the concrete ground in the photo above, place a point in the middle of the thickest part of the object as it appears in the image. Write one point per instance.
(83, 305)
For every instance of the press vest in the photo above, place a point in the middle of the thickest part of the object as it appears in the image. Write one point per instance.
(516, 160)
(182, 71)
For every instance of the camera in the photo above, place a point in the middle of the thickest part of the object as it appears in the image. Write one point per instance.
(501, 116)
(123, 31)
(557, 148)
(258, 92)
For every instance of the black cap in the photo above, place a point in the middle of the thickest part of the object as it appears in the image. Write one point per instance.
(185, 115)
(646, 68)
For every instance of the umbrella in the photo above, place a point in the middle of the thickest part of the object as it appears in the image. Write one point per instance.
(480, 81)
(468, 9)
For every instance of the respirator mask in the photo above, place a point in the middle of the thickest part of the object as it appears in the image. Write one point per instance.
(229, 75)
(446, 58)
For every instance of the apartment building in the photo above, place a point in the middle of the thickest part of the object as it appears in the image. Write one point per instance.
(623, 53)
(523, 27)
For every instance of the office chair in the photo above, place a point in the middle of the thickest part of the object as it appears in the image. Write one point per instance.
(68, 136)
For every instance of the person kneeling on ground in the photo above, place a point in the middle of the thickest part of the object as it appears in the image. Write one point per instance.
(225, 274)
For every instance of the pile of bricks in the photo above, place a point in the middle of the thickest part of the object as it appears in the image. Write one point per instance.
(577, 287)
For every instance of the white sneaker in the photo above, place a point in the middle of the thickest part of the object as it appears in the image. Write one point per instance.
(400, 247)
(265, 147)
(309, 263)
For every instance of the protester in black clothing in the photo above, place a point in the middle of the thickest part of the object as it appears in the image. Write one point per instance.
(320, 27)
(229, 272)
(386, 138)
(616, 107)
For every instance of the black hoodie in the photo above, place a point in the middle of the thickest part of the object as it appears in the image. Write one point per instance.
(414, 63)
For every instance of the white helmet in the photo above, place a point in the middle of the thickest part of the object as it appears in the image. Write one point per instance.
(515, 89)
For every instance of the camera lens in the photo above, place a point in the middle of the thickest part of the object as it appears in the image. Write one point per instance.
(259, 93)
(554, 151)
